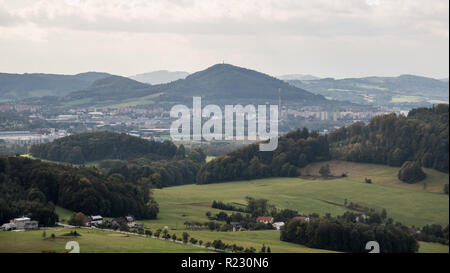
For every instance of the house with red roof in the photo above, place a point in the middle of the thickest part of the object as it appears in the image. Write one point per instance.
(264, 219)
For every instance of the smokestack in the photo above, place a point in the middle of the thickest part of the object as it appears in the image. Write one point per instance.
(279, 103)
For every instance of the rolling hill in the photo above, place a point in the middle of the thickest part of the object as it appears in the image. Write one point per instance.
(403, 90)
(112, 89)
(20, 86)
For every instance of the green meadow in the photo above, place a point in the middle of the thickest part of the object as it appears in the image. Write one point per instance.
(410, 204)
(419, 204)
(90, 241)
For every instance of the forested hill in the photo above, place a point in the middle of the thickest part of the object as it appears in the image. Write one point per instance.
(219, 84)
(20, 86)
(229, 84)
(421, 137)
(295, 150)
(33, 188)
(112, 89)
(403, 90)
(94, 146)
(391, 139)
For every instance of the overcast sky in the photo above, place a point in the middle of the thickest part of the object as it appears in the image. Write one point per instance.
(333, 38)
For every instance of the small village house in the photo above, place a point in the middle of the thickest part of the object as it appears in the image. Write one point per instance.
(94, 220)
(264, 219)
(22, 223)
(360, 217)
(302, 218)
(236, 226)
(278, 225)
(127, 220)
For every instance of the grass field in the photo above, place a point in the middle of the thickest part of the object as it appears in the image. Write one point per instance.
(381, 175)
(89, 241)
(432, 248)
(64, 214)
(410, 204)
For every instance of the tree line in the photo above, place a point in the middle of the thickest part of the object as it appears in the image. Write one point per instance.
(392, 139)
(33, 188)
(340, 234)
(180, 170)
(419, 140)
(295, 150)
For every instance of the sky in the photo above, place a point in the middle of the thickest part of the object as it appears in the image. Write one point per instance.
(332, 38)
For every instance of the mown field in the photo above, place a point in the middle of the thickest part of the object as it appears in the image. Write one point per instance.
(90, 241)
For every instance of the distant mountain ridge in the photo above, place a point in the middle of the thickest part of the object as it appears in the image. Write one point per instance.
(404, 89)
(300, 77)
(219, 84)
(226, 83)
(20, 86)
(159, 76)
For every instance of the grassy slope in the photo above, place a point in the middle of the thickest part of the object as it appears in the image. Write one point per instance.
(381, 174)
(410, 207)
(90, 241)
(64, 214)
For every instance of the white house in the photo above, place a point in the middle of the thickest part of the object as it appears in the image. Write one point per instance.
(95, 220)
(278, 225)
(360, 217)
(8, 226)
(22, 223)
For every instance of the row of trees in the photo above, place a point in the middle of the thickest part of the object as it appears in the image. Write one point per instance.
(32, 187)
(347, 236)
(95, 146)
(295, 150)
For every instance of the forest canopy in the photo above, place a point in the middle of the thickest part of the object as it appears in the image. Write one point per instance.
(33, 188)
(391, 139)
(94, 146)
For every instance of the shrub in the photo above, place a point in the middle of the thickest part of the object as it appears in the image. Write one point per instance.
(411, 172)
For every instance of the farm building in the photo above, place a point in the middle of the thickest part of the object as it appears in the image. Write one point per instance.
(302, 218)
(236, 226)
(278, 225)
(264, 219)
(360, 217)
(127, 220)
(22, 223)
(94, 220)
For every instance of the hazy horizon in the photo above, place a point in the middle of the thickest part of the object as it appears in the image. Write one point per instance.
(339, 39)
(191, 72)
